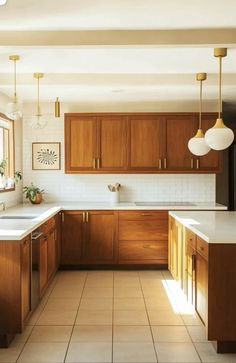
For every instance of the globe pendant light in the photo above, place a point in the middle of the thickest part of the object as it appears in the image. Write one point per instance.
(219, 137)
(197, 144)
(38, 121)
(13, 109)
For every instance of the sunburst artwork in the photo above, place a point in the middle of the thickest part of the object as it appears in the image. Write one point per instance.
(46, 156)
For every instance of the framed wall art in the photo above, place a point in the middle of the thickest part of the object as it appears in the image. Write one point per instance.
(46, 155)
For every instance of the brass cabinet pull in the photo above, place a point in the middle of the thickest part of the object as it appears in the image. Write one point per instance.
(94, 163)
(83, 217)
(192, 163)
(165, 163)
(87, 217)
(62, 218)
(193, 262)
(98, 163)
(159, 164)
(146, 215)
(198, 163)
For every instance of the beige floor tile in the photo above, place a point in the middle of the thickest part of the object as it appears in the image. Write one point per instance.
(167, 275)
(176, 353)
(94, 317)
(43, 353)
(98, 292)
(75, 277)
(209, 355)
(133, 352)
(103, 282)
(129, 317)
(177, 334)
(154, 293)
(151, 275)
(125, 273)
(197, 333)
(57, 318)
(126, 282)
(67, 291)
(89, 352)
(96, 304)
(132, 333)
(10, 355)
(129, 304)
(164, 317)
(100, 274)
(153, 303)
(92, 333)
(191, 319)
(22, 338)
(50, 334)
(61, 304)
(121, 292)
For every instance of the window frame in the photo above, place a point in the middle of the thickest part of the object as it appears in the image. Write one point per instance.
(11, 151)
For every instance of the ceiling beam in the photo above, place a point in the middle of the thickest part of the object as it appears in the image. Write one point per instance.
(180, 37)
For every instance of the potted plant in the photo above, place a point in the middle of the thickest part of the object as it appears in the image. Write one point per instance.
(33, 193)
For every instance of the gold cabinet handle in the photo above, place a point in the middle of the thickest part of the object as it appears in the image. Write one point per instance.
(62, 217)
(83, 217)
(98, 163)
(159, 164)
(192, 163)
(94, 163)
(87, 217)
(165, 163)
(198, 163)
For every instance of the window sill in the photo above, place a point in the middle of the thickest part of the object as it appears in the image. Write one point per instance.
(7, 190)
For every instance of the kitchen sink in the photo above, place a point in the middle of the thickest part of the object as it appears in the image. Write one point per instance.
(17, 217)
(160, 204)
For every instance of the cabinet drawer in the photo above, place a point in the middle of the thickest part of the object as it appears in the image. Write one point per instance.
(143, 251)
(144, 230)
(191, 238)
(47, 226)
(202, 247)
(142, 215)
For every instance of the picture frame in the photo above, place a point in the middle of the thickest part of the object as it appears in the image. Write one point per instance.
(46, 156)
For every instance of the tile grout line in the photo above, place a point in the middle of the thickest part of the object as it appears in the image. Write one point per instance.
(73, 326)
(153, 342)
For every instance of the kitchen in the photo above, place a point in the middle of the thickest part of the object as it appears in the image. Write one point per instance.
(117, 237)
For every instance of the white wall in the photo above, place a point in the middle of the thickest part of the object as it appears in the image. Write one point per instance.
(65, 187)
(14, 197)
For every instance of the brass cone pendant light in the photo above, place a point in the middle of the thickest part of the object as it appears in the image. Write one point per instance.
(38, 121)
(13, 109)
(219, 137)
(197, 144)
(57, 108)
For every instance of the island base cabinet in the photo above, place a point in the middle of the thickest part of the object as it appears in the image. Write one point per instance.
(201, 287)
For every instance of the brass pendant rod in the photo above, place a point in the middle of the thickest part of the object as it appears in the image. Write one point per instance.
(220, 95)
(15, 80)
(38, 106)
(200, 107)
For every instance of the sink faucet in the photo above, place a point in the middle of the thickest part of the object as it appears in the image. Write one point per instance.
(3, 205)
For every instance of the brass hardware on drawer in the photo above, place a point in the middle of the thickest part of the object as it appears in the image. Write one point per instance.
(147, 246)
(146, 215)
(198, 164)
(83, 217)
(62, 217)
(192, 163)
(98, 163)
(165, 163)
(94, 163)
(193, 262)
(159, 164)
(87, 217)
(202, 248)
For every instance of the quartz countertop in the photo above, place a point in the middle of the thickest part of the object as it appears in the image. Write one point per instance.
(215, 227)
(16, 229)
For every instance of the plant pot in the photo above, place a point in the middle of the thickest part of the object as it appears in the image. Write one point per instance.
(37, 199)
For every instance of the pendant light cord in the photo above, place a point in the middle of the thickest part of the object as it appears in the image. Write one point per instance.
(220, 80)
(200, 107)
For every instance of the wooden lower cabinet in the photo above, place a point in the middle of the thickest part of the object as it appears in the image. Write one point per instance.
(142, 237)
(210, 271)
(25, 277)
(175, 250)
(43, 264)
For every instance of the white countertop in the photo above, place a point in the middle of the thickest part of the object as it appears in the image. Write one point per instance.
(211, 226)
(16, 229)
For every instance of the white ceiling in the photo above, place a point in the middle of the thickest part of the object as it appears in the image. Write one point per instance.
(122, 73)
(117, 14)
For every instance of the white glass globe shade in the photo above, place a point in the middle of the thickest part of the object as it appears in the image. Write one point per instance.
(13, 110)
(219, 137)
(38, 122)
(198, 146)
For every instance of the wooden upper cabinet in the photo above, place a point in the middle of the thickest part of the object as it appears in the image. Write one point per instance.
(100, 236)
(210, 161)
(146, 136)
(112, 143)
(179, 129)
(81, 143)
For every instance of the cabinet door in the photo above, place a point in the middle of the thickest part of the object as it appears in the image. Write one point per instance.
(112, 143)
(210, 161)
(201, 286)
(43, 267)
(100, 237)
(51, 242)
(25, 277)
(146, 138)
(72, 238)
(179, 129)
(190, 273)
(80, 143)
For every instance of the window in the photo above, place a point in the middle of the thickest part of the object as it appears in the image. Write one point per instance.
(7, 156)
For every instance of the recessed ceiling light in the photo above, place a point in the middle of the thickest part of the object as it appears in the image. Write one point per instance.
(3, 2)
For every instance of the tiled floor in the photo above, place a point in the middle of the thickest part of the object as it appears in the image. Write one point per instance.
(106, 316)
